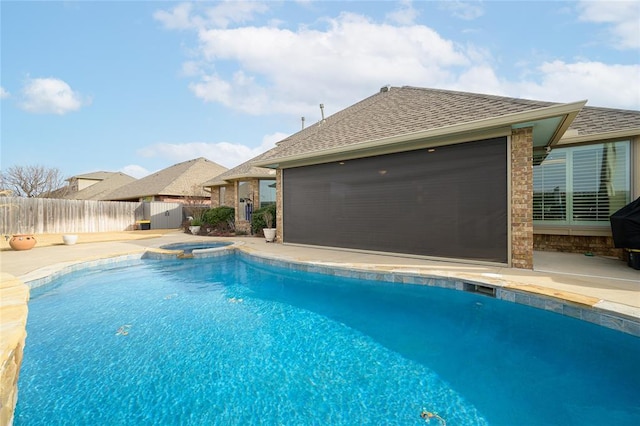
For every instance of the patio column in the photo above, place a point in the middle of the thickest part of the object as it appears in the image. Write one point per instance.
(522, 198)
(279, 218)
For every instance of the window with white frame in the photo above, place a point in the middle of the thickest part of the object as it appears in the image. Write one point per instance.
(582, 185)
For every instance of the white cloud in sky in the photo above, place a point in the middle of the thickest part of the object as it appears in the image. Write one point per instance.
(585, 80)
(3, 93)
(267, 69)
(224, 153)
(466, 10)
(50, 96)
(278, 70)
(135, 171)
(183, 16)
(406, 14)
(623, 18)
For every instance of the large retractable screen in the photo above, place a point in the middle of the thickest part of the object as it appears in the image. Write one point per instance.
(449, 201)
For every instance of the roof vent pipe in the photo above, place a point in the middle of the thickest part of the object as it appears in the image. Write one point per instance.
(385, 88)
(302, 123)
(322, 111)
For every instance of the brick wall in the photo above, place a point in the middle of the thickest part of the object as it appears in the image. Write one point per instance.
(601, 246)
(522, 198)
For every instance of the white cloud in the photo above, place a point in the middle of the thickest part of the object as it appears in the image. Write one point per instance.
(50, 96)
(284, 71)
(184, 16)
(224, 153)
(466, 10)
(622, 16)
(135, 171)
(404, 15)
(3, 93)
(602, 84)
(270, 69)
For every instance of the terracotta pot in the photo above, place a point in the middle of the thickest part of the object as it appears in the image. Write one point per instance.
(22, 241)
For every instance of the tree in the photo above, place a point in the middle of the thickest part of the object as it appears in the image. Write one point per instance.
(33, 181)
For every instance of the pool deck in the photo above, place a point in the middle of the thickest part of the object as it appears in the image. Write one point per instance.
(588, 280)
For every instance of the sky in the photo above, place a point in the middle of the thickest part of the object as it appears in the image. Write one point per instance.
(137, 86)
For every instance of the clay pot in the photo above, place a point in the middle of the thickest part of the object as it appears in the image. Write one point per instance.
(22, 241)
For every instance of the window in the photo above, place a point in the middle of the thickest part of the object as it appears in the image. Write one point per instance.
(267, 192)
(222, 195)
(582, 185)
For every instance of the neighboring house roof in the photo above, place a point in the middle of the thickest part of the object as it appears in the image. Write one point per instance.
(245, 170)
(100, 190)
(178, 180)
(397, 113)
(93, 176)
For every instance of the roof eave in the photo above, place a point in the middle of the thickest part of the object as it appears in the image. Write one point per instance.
(229, 179)
(568, 138)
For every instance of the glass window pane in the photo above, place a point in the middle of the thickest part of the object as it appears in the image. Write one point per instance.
(582, 185)
(550, 188)
(267, 192)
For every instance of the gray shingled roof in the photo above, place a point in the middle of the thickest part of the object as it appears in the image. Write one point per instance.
(405, 110)
(243, 171)
(178, 180)
(398, 111)
(595, 120)
(98, 191)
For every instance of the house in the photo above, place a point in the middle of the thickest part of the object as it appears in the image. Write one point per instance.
(181, 183)
(245, 188)
(95, 186)
(456, 175)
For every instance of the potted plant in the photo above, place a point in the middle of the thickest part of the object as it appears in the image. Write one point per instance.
(269, 231)
(196, 223)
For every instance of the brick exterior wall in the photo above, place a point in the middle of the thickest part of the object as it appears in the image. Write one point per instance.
(215, 197)
(601, 246)
(522, 198)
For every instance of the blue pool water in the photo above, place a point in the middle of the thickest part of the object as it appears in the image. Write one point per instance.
(190, 247)
(230, 342)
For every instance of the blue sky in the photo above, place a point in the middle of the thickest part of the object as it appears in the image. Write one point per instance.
(139, 86)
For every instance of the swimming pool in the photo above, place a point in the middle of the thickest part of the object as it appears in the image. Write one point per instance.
(231, 341)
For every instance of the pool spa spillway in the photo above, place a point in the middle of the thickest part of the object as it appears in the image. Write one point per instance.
(233, 339)
(188, 248)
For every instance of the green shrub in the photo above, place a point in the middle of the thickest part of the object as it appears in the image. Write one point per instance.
(257, 219)
(219, 215)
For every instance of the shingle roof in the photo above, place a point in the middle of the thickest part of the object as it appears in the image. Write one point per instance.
(595, 120)
(98, 191)
(405, 110)
(398, 111)
(178, 180)
(244, 170)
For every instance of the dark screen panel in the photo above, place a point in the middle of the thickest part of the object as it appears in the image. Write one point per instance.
(450, 201)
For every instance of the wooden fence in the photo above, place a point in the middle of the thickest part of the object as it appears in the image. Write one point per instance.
(50, 215)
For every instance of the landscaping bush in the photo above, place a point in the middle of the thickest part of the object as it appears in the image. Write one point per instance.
(257, 221)
(219, 215)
